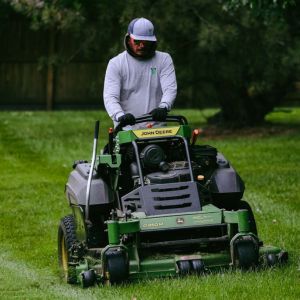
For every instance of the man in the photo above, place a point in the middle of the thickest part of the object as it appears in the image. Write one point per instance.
(139, 80)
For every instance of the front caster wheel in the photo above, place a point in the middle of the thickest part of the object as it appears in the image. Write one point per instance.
(117, 265)
(88, 278)
(246, 254)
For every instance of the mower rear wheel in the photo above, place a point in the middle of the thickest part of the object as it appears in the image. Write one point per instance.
(66, 238)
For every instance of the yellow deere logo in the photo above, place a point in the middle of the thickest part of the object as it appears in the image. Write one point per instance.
(144, 133)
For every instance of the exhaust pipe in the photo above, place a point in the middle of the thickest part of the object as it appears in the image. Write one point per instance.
(88, 189)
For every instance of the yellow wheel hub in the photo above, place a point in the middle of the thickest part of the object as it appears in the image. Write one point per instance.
(64, 257)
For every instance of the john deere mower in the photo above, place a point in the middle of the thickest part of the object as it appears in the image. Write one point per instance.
(154, 203)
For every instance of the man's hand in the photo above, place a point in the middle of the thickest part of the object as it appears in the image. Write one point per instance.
(159, 114)
(127, 119)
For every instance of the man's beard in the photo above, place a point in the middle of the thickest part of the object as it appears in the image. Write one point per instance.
(146, 53)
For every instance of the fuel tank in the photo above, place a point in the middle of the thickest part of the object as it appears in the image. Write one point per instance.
(77, 184)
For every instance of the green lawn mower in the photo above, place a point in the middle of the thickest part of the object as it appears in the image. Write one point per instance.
(155, 204)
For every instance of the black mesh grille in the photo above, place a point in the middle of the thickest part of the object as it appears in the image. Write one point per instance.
(162, 199)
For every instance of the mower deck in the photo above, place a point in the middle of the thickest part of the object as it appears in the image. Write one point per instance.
(172, 257)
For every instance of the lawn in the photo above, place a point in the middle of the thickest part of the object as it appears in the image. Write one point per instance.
(37, 150)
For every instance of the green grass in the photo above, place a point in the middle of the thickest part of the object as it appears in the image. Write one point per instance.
(37, 150)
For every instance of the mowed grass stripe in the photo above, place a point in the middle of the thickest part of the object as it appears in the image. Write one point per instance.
(24, 281)
(30, 190)
(37, 151)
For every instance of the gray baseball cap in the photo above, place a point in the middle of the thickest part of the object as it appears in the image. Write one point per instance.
(141, 29)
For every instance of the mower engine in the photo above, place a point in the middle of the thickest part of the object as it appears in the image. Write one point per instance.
(158, 168)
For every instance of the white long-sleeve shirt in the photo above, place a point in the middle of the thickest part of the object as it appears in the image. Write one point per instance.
(138, 86)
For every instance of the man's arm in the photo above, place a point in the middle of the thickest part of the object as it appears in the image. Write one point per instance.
(168, 83)
(111, 91)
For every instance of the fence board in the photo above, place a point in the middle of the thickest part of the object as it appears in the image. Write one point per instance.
(79, 83)
(23, 81)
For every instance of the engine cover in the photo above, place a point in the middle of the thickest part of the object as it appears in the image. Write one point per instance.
(178, 172)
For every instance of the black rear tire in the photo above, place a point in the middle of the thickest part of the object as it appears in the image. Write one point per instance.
(66, 238)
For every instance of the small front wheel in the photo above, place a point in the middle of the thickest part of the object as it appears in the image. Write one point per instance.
(117, 265)
(246, 254)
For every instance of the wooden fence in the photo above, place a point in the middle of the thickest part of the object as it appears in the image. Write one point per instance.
(28, 80)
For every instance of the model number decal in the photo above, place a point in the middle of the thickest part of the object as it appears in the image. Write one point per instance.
(153, 225)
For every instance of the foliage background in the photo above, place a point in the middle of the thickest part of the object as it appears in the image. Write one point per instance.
(240, 55)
